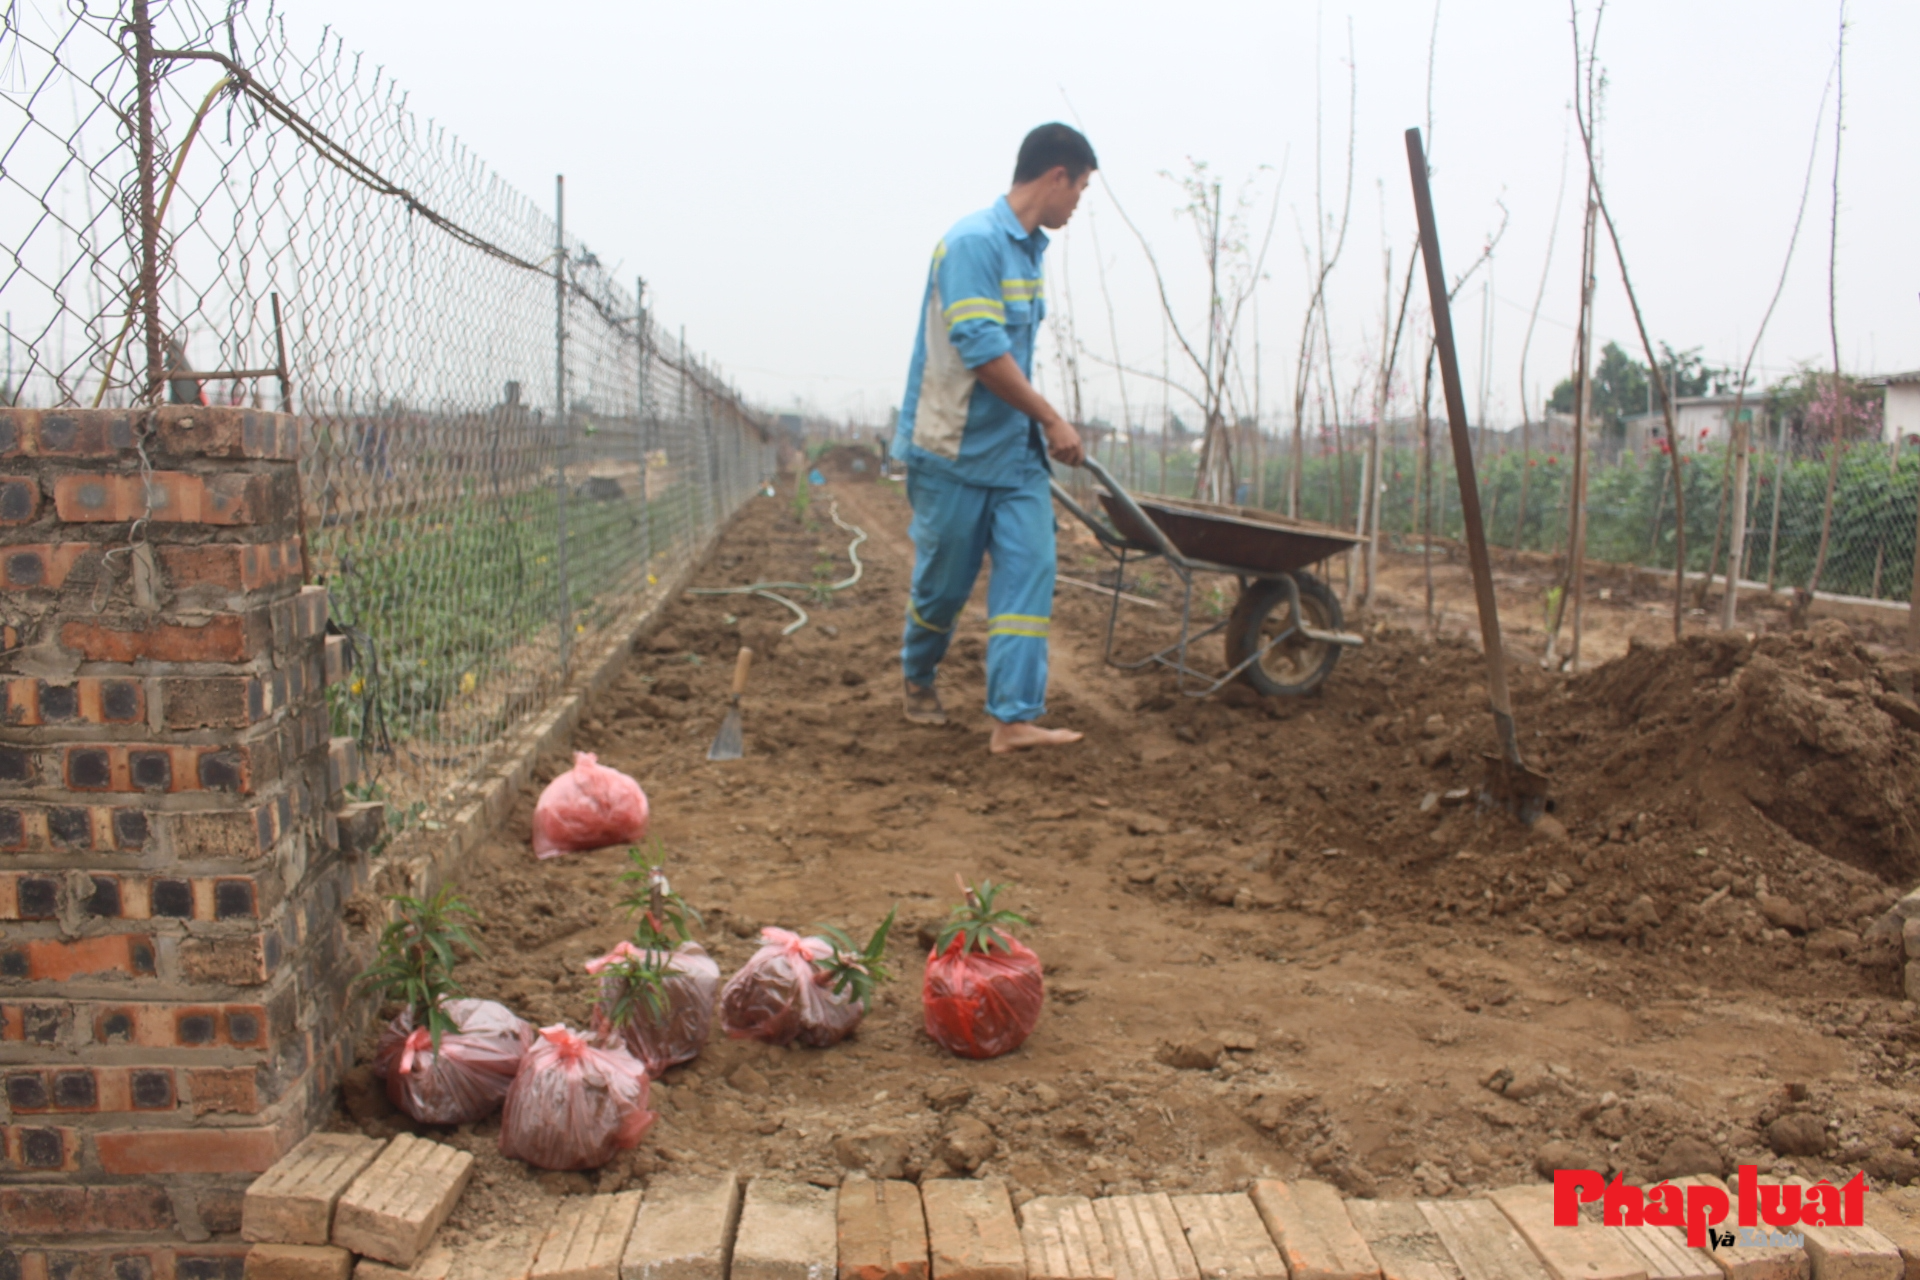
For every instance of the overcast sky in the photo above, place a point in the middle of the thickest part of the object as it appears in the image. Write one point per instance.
(779, 172)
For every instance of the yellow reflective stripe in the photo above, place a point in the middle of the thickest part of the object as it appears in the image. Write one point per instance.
(1019, 624)
(975, 309)
(1020, 290)
(922, 622)
(940, 251)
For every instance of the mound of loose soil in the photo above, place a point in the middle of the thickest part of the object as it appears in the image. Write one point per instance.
(1809, 728)
(1280, 936)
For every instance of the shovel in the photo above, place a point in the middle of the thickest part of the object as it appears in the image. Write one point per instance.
(1510, 783)
(726, 743)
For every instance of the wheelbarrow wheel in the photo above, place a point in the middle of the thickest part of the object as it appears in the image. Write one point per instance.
(1296, 665)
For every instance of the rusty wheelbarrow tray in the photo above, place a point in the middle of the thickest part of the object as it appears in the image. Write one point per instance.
(1285, 631)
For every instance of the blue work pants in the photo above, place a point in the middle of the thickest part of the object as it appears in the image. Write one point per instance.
(954, 526)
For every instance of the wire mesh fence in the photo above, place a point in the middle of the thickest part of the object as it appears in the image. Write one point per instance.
(1524, 494)
(502, 453)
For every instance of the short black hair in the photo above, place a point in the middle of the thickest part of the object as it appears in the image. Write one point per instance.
(1053, 144)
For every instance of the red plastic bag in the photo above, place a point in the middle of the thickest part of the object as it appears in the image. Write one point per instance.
(680, 1032)
(982, 1004)
(466, 1080)
(588, 807)
(779, 996)
(573, 1106)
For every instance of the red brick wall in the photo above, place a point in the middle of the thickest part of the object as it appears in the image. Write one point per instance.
(174, 971)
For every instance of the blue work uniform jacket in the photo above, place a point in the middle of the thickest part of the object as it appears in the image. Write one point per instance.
(984, 298)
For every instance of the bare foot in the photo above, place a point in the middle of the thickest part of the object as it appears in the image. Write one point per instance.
(923, 705)
(1021, 734)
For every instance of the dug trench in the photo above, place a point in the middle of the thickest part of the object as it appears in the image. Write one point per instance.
(1275, 943)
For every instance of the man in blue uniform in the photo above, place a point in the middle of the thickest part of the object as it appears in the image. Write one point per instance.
(975, 437)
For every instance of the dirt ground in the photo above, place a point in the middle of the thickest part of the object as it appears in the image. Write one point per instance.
(1275, 944)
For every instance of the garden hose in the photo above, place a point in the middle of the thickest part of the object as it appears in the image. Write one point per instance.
(766, 590)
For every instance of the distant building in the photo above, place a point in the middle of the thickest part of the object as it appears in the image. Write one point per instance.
(1699, 421)
(1901, 416)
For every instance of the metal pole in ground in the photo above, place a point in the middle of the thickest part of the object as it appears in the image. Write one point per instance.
(642, 423)
(561, 423)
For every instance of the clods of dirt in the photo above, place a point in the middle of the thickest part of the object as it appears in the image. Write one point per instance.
(1281, 936)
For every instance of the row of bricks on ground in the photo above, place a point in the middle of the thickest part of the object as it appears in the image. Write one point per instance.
(277, 634)
(157, 1122)
(337, 1195)
(173, 431)
(171, 704)
(242, 768)
(221, 496)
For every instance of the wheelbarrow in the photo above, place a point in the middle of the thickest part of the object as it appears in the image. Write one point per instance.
(1284, 633)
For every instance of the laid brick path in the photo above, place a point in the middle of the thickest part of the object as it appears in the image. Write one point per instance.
(725, 1228)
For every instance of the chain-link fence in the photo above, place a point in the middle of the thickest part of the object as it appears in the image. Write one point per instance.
(1630, 502)
(199, 211)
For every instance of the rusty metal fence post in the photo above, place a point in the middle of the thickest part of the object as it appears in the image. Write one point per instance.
(641, 420)
(149, 286)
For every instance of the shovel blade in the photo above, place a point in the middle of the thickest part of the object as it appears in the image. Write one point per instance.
(726, 743)
(1514, 787)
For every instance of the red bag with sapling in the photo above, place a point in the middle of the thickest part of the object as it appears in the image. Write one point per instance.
(588, 807)
(574, 1106)
(464, 1078)
(983, 989)
(445, 1061)
(813, 990)
(657, 992)
(657, 1004)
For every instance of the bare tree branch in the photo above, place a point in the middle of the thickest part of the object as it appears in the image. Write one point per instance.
(1581, 113)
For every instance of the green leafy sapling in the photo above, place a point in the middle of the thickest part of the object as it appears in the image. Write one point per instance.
(977, 922)
(855, 971)
(662, 921)
(643, 986)
(662, 916)
(418, 951)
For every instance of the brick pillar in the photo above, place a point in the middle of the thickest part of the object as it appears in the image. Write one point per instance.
(174, 967)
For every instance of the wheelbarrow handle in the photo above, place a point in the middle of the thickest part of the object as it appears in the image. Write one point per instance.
(1161, 542)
